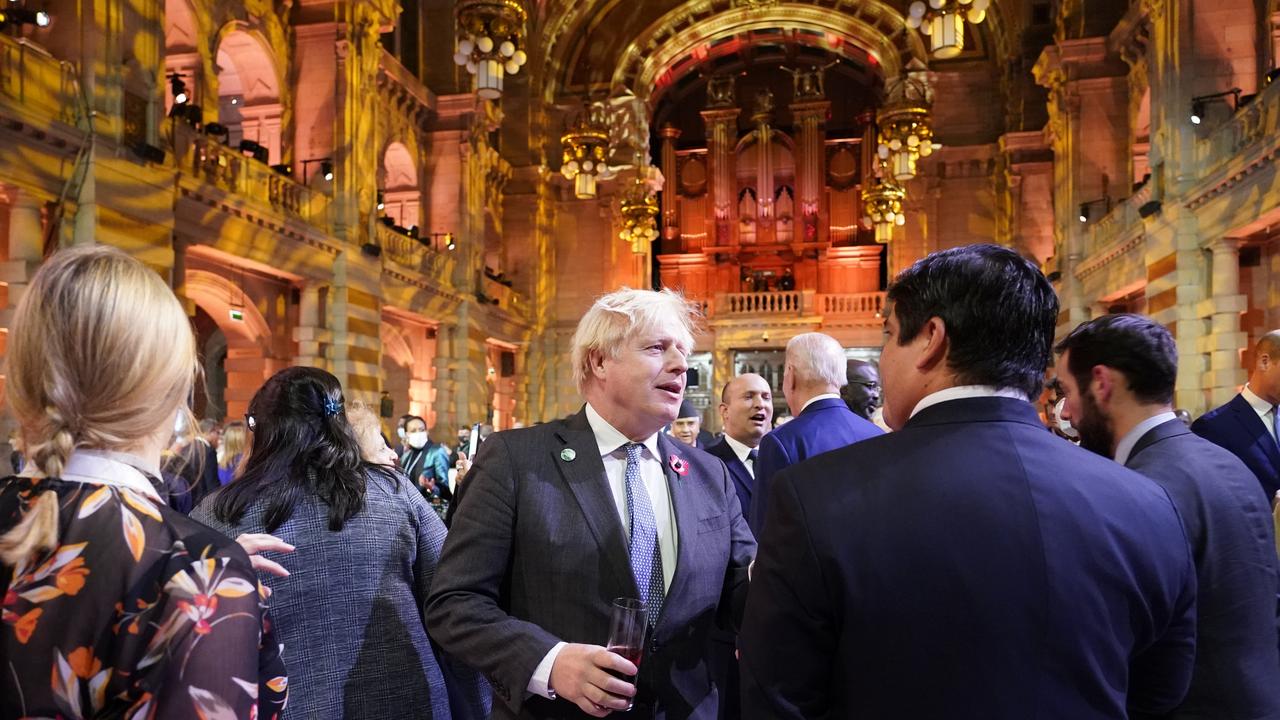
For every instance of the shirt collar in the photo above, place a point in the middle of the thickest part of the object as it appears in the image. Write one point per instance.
(1125, 447)
(816, 398)
(961, 392)
(1260, 406)
(738, 448)
(104, 467)
(609, 438)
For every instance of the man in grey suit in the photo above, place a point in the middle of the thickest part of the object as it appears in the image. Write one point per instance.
(1117, 373)
(562, 518)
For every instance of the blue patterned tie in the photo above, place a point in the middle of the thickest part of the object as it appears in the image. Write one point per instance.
(646, 556)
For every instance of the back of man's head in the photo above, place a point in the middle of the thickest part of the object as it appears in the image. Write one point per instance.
(1136, 346)
(998, 309)
(817, 361)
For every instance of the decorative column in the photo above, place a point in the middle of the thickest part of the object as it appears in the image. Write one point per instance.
(765, 222)
(670, 191)
(446, 418)
(811, 169)
(310, 333)
(722, 139)
(1225, 340)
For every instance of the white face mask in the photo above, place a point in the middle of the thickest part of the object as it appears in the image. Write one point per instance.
(1064, 426)
(400, 433)
(417, 440)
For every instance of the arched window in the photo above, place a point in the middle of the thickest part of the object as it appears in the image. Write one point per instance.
(249, 92)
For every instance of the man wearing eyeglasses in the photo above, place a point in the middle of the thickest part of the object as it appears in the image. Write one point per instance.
(862, 394)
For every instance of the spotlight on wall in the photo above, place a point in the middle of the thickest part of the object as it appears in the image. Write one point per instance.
(1201, 102)
(217, 130)
(284, 169)
(326, 168)
(148, 152)
(382, 201)
(14, 15)
(254, 149)
(1085, 207)
(178, 88)
(371, 249)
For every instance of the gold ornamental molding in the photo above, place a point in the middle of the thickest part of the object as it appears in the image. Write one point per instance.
(873, 26)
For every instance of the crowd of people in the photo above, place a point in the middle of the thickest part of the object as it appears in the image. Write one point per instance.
(917, 542)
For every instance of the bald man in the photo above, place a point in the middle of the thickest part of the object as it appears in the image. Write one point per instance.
(1247, 425)
(746, 410)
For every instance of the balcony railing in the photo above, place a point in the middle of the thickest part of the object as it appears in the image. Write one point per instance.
(869, 304)
(507, 299)
(35, 82)
(1122, 220)
(412, 254)
(1252, 125)
(231, 171)
(786, 302)
(794, 303)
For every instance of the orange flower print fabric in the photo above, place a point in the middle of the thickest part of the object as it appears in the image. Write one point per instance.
(139, 612)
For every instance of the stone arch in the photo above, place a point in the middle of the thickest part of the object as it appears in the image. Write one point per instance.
(408, 362)
(249, 87)
(184, 49)
(248, 340)
(400, 185)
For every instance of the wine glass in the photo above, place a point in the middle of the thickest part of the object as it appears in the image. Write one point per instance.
(627, 625)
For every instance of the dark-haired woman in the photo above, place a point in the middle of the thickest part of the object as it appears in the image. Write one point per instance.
(349, 613)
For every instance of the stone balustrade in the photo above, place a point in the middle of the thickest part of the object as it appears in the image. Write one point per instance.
(231, 171)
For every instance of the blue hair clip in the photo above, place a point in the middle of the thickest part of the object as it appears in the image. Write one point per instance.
(331, 407)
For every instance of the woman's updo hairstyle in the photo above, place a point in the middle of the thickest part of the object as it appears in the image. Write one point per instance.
(101, 355)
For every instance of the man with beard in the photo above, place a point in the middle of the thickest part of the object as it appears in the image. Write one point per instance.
(862, 394)
(1117, 374)
(968, 565)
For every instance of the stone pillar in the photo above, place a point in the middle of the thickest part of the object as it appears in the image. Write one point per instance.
(1225, 340)
(670, 192)
(310, 333)
(445, 385)
(721, 373)
(765, 220)
(26, 249)
(811, 169)
(722, 211)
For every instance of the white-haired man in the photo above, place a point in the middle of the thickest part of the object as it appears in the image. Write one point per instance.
(562, 518)
(811, 382)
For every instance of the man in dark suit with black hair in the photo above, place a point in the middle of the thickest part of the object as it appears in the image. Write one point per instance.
(968, 565)
(1117, 373)
(562, 518)
(811, 381)
(1247, 424)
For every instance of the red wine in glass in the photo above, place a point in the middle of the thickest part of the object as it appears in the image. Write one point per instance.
(627, 625)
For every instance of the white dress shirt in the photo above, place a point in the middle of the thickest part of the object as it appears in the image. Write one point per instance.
(742, 452)
(1124, 448)
(961, 392)
(1266, 411)
(611, 444)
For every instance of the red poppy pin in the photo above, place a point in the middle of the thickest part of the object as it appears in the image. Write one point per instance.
(679, 465)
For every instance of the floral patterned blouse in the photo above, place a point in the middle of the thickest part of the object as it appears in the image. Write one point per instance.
(139, 612)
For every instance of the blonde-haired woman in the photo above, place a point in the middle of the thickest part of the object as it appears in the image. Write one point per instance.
(231, 450)
(114, 605)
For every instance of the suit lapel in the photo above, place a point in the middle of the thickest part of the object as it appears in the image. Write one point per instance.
(684, 504)
(1256, 429)
(583, 471)
(1171, 428)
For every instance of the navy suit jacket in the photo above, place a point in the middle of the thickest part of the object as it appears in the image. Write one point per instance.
(969, 566)
(825, 425)
(1236, 427)
(537, 554)
(1228, 521)
(742, 480)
